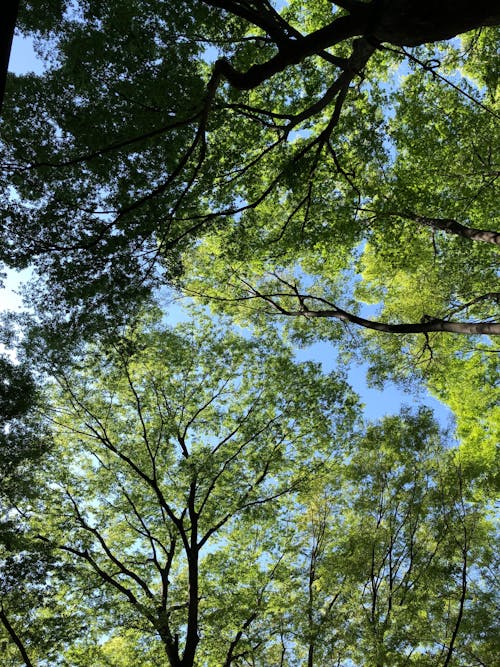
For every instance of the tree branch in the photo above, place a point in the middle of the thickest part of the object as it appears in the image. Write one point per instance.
(451, 226)
(117, 145)
(427, 323)
(116, 561)
(15, 638)
(294, 51)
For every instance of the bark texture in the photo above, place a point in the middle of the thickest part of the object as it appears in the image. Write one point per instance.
(15, 638)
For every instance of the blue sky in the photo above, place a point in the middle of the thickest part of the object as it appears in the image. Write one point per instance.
(22, 60)
(377, 403)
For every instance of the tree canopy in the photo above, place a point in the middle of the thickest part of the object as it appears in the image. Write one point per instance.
(209, 501)
(297, 171)
(351, 136)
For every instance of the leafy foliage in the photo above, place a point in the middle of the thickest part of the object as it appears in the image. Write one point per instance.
(311, 171)
(164, 451)
(213, 502)
(152, 126)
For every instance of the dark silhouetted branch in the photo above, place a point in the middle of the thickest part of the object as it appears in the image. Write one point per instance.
(8, 17)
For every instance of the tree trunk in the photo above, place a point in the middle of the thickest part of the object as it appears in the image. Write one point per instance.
(8, 16)
(192, 555)
(192, 637)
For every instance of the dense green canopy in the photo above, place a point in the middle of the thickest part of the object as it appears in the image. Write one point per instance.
(331, 136)
(296, 160)
(308, 171)
(207, 501)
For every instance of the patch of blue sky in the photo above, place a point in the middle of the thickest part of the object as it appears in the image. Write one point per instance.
(23, 60)
(23, 57)
(377, 402)
(10, 295)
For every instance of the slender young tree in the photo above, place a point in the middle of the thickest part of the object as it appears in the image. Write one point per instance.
(162, 449)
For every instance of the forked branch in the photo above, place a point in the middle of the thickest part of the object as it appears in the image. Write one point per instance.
(279, 301)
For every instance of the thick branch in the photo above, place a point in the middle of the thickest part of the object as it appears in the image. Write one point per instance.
(397, 22)
(293, 52)
(453, 227)
(262, 16)
(426, 325)
(15, 638)
(265, 17)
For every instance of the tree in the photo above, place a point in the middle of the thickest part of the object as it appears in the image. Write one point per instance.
(202, 516)
(32, 620)
(273, 126)
(411, 529)
(166, 451)
(389, 547)
(207, 499)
